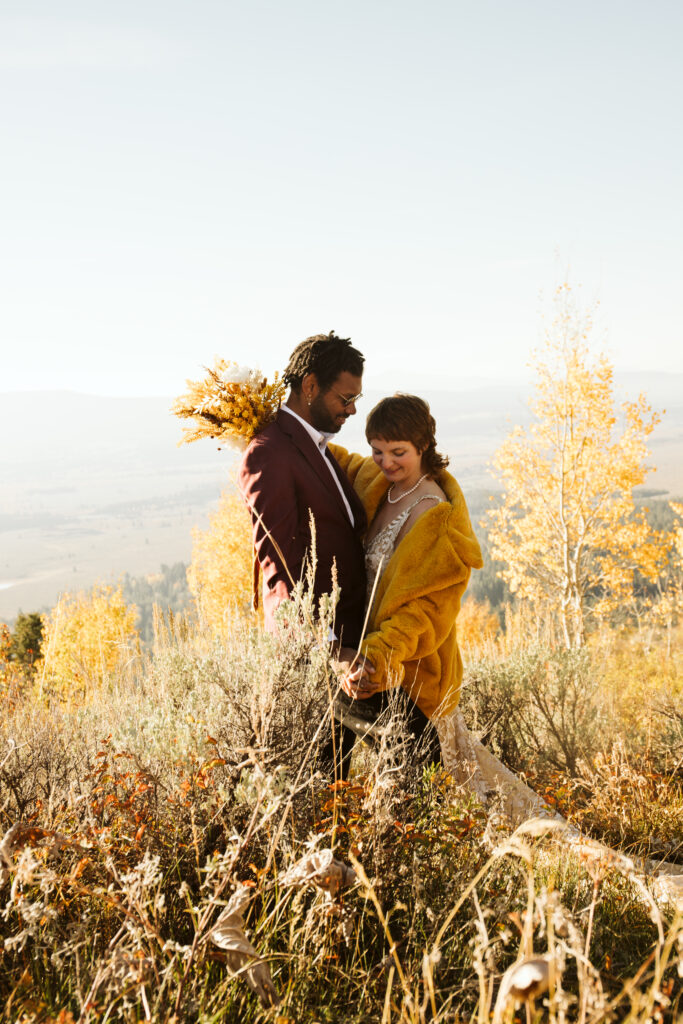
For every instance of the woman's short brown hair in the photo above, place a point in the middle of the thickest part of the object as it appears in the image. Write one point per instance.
(407, 418)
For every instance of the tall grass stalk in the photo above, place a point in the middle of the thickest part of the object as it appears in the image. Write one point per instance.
(195, 772)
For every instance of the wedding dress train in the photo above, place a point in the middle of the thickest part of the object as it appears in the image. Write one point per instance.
(503, 793)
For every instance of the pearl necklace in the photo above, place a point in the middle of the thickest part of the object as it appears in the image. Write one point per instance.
(395, 501)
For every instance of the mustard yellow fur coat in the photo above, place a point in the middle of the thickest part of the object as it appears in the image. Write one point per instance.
(411, 636)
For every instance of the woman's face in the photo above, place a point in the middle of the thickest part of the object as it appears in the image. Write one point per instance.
(400, 461)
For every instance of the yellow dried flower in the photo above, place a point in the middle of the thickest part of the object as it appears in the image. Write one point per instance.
(231, 404)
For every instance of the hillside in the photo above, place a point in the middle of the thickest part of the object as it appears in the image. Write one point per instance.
(94, 487)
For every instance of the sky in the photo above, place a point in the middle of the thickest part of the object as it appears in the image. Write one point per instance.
(183, 180)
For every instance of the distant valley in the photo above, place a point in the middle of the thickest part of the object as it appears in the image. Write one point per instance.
(94, 487)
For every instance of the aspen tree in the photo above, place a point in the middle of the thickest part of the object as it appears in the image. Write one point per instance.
(89, 639)
(567, 527)
(220, 575)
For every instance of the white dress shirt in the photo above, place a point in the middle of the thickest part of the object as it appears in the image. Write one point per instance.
(320, 440)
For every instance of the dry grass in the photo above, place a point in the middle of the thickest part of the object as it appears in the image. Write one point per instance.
(194, 774)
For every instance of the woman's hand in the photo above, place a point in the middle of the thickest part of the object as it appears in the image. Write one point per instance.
(358, 687)
(354, 672)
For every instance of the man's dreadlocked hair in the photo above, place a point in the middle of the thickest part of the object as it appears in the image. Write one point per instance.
(326, 356)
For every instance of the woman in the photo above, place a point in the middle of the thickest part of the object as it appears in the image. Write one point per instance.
(420, 549)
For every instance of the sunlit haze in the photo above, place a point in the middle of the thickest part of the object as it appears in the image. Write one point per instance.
(220, 178)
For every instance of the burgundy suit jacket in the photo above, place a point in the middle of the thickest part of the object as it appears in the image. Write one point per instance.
(283, 479)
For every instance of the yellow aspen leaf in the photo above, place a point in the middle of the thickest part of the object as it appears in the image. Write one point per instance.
(567, 528)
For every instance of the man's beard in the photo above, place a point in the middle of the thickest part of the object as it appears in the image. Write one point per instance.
(321, 418)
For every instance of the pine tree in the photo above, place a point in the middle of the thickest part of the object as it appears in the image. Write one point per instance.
(27, 638)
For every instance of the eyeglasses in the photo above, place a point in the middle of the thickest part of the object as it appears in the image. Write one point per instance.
(346, 402)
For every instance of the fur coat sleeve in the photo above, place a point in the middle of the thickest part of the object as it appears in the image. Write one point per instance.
(412, 639)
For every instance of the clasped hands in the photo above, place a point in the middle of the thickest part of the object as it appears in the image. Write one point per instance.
(354, 673)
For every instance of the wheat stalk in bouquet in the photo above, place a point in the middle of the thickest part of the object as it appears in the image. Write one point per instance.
(231, 404)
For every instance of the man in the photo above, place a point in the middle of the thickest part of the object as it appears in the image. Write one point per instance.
(287, 475)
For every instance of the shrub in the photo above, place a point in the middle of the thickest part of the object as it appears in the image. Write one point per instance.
(145, 808)
(536, 706)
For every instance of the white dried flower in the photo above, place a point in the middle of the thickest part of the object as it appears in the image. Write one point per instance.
(236, 374)
(17, 941)
(176, 947)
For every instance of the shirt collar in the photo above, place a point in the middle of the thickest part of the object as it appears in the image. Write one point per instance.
(320, 437)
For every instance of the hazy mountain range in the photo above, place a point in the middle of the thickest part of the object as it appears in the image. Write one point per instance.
(93, 487)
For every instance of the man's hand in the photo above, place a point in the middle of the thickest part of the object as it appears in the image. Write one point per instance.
(346, 656)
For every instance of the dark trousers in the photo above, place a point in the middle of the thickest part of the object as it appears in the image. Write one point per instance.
(423, 735)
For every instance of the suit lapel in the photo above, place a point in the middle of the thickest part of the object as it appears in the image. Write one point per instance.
(315, 458)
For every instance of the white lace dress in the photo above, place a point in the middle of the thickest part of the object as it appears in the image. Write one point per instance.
(380, 549)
